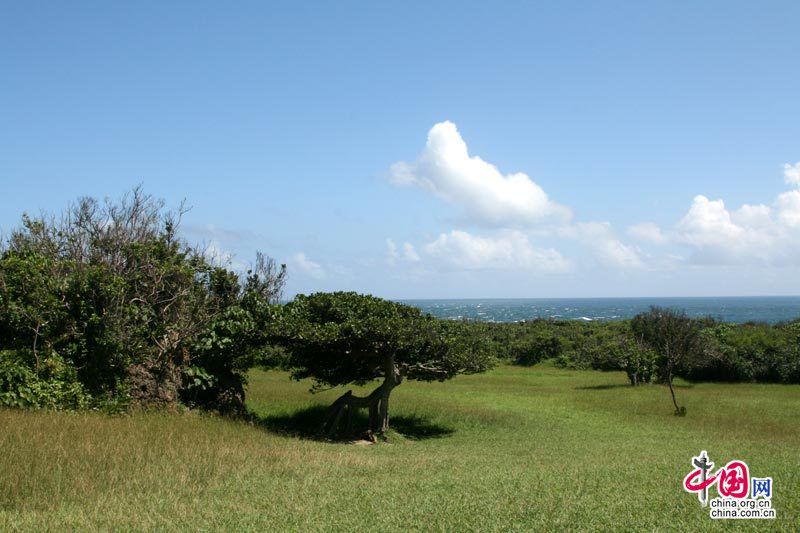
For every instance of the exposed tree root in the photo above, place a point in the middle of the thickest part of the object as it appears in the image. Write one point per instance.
(345, 407)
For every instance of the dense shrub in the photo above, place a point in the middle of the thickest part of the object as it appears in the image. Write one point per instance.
(725, 352)
(534, 349)
(54, 387)
(639, 362)
(750, 352)
(126, 312)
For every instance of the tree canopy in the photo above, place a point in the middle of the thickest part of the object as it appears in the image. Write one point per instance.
(675, 337)
(344, 337)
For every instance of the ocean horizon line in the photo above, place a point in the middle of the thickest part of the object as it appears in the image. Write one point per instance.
(762, 296)
(736, 309)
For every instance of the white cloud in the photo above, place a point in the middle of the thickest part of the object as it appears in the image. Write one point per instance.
(788, 204)
(647, 232)
(410, 253)
(755, 216)
(708, 223)
(791, 173)
(510, 250)
(613, 252)
(600, 239)
(216, 255)
(751, 234)
(512, 201)
(446, 169)
(308, 266)
(393, 254)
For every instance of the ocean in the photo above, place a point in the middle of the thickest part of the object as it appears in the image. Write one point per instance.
(771, 309)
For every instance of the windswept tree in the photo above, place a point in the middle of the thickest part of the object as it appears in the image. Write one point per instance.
(675, 337)
(343, 337)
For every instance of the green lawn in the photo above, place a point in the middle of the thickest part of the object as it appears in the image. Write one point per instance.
(514, 449)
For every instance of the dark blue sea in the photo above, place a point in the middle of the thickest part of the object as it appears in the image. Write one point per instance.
(770, 309)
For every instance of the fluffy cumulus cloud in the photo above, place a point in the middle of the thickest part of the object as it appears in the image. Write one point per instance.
(513, 205)
(509, 250)
(752, 234)
(708, 223)
(446, 169)
(718, 235)
(788, 206)
(307, 266)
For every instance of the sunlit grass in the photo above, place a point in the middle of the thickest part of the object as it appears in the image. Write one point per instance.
(525, 449)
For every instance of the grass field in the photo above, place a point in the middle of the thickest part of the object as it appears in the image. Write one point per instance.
(514, 449)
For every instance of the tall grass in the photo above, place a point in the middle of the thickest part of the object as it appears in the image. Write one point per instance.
(515, 449)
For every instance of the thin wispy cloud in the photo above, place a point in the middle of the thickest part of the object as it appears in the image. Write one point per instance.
(308, 267)
(510, 250)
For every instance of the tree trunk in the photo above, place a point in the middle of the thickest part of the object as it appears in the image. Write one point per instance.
(377, 402)
(385, 413)
(678, 410)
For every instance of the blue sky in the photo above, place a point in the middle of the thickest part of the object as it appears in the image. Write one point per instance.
(418, 150)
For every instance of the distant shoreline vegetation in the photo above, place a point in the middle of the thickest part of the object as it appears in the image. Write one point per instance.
(723, 351)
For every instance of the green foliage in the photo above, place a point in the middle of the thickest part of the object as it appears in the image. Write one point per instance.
(672, 334)
(531, 349)
(639, 362)
(723, 352)
(751, 352)
(130, 312)
(55, 387)
(344, 337)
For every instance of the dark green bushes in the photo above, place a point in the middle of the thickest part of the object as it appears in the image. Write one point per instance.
(726, 352)
(55, 386)
(750, 352)
(107, 306)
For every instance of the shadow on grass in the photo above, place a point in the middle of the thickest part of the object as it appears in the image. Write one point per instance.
(629, 386)
(305, 424)
(418, 428)
(604, 387)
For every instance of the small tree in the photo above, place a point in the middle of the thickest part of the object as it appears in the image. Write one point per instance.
(343, 337)
(675, 337)
(638, 361)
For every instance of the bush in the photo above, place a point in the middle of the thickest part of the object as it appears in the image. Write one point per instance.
(56, 388)
(750, 352)
(723, 352)
(126, 311)
(638, 362)
(534, 349)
